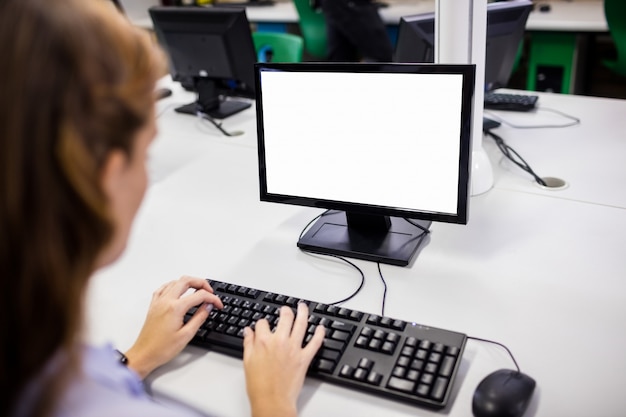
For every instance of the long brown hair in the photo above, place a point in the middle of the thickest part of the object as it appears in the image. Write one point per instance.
(76, 81)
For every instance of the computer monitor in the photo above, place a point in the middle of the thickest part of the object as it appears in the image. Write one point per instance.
(212, 48)
(375, 143)
(506, 22)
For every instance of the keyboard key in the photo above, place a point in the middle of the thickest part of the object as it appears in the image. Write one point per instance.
(400, 384)
(374, 378)
(440, 388)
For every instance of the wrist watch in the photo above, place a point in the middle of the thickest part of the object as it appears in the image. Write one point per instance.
(121, 357)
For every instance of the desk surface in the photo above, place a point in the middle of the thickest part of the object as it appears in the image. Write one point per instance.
(569, 16)
(580, 15)
(541, 271)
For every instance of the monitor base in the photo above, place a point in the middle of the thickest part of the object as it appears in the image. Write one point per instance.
(396, 246)
(226, 108)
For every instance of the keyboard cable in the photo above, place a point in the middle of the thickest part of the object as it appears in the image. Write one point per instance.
(425, 231)
(354, 293)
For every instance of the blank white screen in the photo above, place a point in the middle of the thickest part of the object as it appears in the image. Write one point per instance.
(384, 139)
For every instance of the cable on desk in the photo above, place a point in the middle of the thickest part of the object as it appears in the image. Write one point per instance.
(499, 344)
(218, 125)
(512, 155)
(425, 231)
(574, 120)
(311, 222)
(382, 312)
(334, 256)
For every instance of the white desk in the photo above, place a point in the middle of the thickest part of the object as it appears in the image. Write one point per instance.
(589, 156)
(542, 272)
(568, 16)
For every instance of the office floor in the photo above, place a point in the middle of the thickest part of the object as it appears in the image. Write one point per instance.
(599, 80)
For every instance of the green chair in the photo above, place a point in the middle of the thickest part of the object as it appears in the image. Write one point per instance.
(555, 52)
(615, 14)
(283, 47)
(313, 28)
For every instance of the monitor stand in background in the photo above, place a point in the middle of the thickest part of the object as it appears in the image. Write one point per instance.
(210, 102)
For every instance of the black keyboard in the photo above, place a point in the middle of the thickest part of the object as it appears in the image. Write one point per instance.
(393, 358)
(513, 102)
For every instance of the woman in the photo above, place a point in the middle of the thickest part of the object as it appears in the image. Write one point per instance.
(76, 119)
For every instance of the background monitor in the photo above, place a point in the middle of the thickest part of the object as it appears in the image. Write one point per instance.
(212, 48)
(506, 23)
(376, 143)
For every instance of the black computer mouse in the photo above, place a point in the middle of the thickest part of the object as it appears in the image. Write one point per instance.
(503, 393)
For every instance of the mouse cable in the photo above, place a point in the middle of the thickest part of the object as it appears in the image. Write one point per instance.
(574, 120)
(218, 125)
(499, 344)
(515, 157)
(354, 293)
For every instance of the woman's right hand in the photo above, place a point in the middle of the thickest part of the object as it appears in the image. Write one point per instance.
(275, 363)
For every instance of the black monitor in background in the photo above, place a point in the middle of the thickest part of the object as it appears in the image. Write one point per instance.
(506, 22)
(375, 157)
(212, 49)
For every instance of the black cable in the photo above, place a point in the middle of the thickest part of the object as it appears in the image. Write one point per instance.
(349, 297)
(421, 235)
(512, 154)
(311, 222)
(499, 344)
(382, 313)
(334, 256)
(205, 116)
(419, 226)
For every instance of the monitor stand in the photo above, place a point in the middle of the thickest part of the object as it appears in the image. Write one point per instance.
(389, 240)
(210, 103)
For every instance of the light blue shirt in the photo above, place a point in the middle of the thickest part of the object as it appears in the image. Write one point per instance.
(104, 388)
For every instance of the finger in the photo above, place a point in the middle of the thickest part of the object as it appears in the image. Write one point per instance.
(262, 327)
(301, 323)
(199, 317)
(195, 282)
(186, 282)
(315, 343)
(200, 297)
(200, 283)
(248, 342)
(285, 322)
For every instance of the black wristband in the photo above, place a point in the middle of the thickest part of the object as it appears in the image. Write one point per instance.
(122, 358)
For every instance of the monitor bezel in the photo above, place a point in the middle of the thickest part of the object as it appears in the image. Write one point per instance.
(235, 23)
(464, 143)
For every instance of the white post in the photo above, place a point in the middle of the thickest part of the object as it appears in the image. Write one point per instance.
(460, 38)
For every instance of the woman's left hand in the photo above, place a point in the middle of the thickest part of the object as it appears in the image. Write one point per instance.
(164, 334)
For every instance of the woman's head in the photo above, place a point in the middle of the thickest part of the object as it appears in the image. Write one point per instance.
(76, 116)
